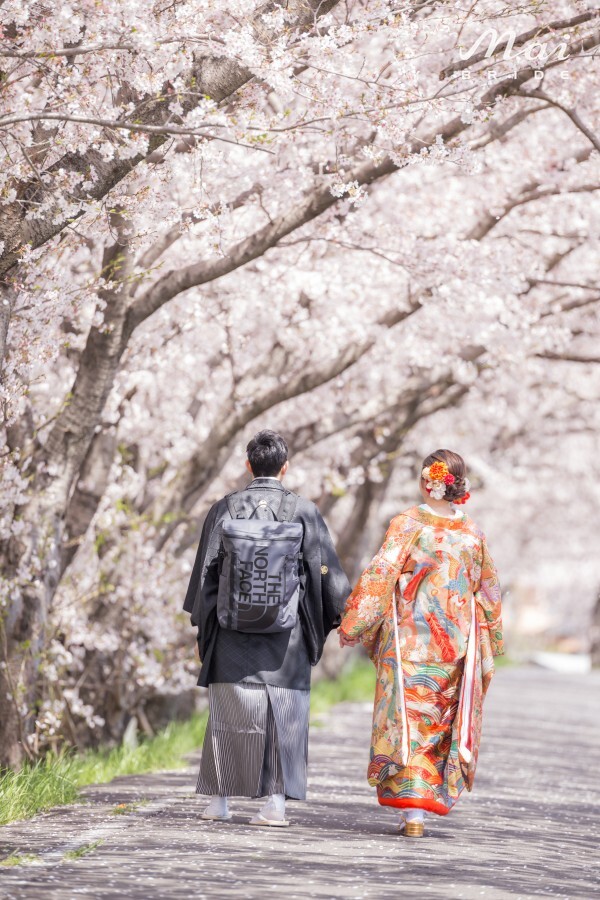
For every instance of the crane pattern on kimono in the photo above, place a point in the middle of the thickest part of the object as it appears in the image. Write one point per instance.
(433, 593)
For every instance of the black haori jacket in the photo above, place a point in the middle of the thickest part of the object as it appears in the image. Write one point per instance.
(283, 658)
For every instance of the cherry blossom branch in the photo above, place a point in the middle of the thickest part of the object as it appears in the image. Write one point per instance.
(498, 131)
(572, 114)
(255, 245)
(419, 398)
(166, 240)
(572, 305)
(529, 195)
(569, 357)
(215, 77)
(569, 284)
(197, 131)
(99, 47)
(345, 245)
(196, 474)
(185, 489)
(315, 204)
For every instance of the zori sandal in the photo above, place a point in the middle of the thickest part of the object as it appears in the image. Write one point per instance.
(259, 819)
(214, 817)
(416, 828)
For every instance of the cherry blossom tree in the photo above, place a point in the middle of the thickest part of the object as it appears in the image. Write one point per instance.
(365, 224)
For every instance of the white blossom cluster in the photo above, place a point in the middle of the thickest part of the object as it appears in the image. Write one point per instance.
(431, 283)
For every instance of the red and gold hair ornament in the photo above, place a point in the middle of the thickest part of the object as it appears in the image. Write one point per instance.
(437, 477)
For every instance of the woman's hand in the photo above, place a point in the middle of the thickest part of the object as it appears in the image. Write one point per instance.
(345, 641)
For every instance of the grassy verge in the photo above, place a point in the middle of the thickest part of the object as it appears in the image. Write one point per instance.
(501, 662)
(56, 780)
(18, 859)
(357, 683)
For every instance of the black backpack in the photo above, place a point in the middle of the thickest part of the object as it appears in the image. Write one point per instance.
(259, 568)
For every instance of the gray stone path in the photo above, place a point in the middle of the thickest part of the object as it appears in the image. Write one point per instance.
(531, 828)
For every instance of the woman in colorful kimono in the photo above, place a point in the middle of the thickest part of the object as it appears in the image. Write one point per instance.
(427, 610)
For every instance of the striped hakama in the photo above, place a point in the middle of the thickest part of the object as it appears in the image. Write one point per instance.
(256, 741)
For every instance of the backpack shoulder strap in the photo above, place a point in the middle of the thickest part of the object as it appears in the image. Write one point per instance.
(231, 506)
(262, 504)
(287, 507)
(236, 509)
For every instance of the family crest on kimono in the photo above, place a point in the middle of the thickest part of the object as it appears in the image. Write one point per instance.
(265, 591)
(427, 610)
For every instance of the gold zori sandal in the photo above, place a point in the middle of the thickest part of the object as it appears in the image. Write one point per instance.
(412, 829)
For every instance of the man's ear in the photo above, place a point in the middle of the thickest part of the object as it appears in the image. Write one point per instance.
(284, 468)
(249, 467)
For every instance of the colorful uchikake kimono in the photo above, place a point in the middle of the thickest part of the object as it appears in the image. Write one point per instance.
(427, 609)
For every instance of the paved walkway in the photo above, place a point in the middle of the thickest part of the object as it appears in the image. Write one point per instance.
(531, 827)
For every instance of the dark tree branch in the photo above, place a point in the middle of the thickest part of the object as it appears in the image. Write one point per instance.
(215, 77)
(569, 111)
(528, 194)
(569, 357)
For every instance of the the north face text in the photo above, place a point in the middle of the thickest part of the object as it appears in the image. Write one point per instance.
(257, 585)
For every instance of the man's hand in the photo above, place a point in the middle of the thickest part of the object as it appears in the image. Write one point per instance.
(346, 641)
(197, 652)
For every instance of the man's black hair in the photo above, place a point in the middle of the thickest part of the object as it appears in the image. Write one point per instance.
(267, 454)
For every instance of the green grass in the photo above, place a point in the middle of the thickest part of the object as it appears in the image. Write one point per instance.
(57, 780)
(82, 851)
(123, 809)
(164, 751)
(501, 662)
(18, 859)
(356, 683)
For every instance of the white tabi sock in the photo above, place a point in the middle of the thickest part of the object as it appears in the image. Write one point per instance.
(274, 808)
(413, 815)
(217, 806)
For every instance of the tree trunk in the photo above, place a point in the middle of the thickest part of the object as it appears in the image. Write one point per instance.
(13, 744)
(39, 552)
(6, 303)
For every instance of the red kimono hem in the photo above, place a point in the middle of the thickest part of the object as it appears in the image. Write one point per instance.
(415, 803)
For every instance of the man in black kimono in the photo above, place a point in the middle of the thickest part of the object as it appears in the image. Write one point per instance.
(256, 741)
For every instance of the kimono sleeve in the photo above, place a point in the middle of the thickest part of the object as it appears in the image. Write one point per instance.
(204, 557)
(369, 602)
(489, 599)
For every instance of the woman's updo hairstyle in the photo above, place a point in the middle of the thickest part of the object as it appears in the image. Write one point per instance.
(456, 466)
